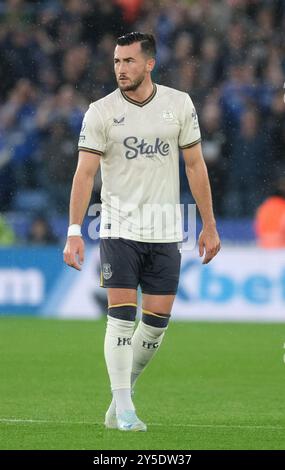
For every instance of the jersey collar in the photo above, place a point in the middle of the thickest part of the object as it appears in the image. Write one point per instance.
(141, 103)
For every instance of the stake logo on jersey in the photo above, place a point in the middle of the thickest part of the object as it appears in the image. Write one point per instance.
(143, 148)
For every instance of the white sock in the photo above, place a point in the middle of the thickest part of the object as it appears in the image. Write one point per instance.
(122, 400)
(119, 357)
(145, 343)
(141, 355)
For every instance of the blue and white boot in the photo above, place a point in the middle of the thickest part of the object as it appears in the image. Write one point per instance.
(128, 421)
(110, 416)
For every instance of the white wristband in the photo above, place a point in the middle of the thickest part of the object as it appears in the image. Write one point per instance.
(74, 230)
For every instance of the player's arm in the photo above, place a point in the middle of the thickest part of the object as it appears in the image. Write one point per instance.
(83, 181)
(199, 184)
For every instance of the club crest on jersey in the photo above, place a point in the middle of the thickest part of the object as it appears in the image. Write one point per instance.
(120, 121)
(107, 272)
(168, 116)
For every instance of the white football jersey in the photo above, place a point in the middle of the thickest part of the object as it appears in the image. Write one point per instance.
(139, 148)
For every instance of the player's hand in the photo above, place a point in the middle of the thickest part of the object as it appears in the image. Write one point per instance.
(209, 242)
(73, 253)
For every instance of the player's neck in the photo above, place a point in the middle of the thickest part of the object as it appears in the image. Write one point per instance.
(142, 93)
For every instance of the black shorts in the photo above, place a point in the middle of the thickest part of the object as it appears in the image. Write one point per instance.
(127, 264)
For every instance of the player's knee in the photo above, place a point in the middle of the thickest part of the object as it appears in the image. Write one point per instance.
(123, 312)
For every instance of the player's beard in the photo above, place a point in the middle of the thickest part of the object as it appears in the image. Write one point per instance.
(133, 86)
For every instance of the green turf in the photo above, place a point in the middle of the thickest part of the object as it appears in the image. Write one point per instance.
(211, 386)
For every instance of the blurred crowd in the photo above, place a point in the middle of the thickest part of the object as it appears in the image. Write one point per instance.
(57, 56)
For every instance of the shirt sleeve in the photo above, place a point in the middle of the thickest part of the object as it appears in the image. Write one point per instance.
(190, 131)
(92, 135)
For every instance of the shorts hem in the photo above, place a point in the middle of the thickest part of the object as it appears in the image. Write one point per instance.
(119, 286)
(159, 292)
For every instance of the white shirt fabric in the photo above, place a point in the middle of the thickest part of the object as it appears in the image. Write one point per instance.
(139, 148)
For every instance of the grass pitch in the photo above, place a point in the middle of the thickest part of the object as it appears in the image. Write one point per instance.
(211, 386)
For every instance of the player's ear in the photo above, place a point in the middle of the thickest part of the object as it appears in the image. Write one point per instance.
(150, 65)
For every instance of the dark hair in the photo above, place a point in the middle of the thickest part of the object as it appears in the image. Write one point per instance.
(147, 42)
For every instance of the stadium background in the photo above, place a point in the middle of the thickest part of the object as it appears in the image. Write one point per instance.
(55, 58)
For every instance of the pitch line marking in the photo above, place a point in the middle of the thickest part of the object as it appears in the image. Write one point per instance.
(187, 425)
